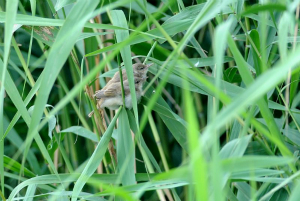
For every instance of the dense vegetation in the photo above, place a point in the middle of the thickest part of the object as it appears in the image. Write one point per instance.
(219, 119)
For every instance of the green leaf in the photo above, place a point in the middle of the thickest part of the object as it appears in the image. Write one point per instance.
(265, 7)
(279, 186)
(88, 35)
(125, 150)
(63, 45)
(119, 19)
(62, 3)
(33, 7)
(17, 100)
(175, 124)
(10, 17)
(235, 148)
(282, 194)
(199, 169)
(292, 134)
(197, 86)
(239, 7)
(231, 75)
(70, 178)
(254, 35)
(46, 34)
(151, 8)
(133, 127)
(16, 166)
(295, 192)
(49, 22)
(81, 131)
(95, 159)
(51, 123)
(173, 5)
(197, 62)
(191, 12)
(257, 173)
(244, 191)
(253, 162)
(34, 61)
(30, 192)
(14, 138)
(262, 101)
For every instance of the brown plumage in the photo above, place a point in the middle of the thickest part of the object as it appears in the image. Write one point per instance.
(111, 95)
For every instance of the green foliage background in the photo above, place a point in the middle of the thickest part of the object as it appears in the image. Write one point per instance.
(219, 119)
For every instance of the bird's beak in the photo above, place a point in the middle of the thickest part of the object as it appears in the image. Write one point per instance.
(147, 66)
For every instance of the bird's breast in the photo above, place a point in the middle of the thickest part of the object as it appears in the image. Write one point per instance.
(112, 103)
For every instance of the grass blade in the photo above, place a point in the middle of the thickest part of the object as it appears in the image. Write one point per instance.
(95, 159)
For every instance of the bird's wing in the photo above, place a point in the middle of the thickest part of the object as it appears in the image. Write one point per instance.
(105, 93)
(99, 94)
(109, 92)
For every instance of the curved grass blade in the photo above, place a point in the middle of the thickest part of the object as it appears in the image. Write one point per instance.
(125, 150)
(15, 166)
(63, 44)
(17, 100)
(11, 11)
(17, 141)
(262, 102)
(95, 179)
(175, 124)
(295, 193)
(30, 193)
(119, 19)
(95, 159)
(62, 3)
(81, 131)
(265, 7)
(198, 164)
(133, 127)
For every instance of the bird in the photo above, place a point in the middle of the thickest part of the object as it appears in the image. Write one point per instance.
(139, 70)
(111, 95)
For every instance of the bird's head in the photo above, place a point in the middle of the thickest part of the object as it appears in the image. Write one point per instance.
(141, 67)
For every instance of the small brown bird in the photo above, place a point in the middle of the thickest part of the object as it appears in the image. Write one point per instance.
(139, 70)
(111, 95)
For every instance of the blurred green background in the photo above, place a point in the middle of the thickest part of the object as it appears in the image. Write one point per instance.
(219, 119)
